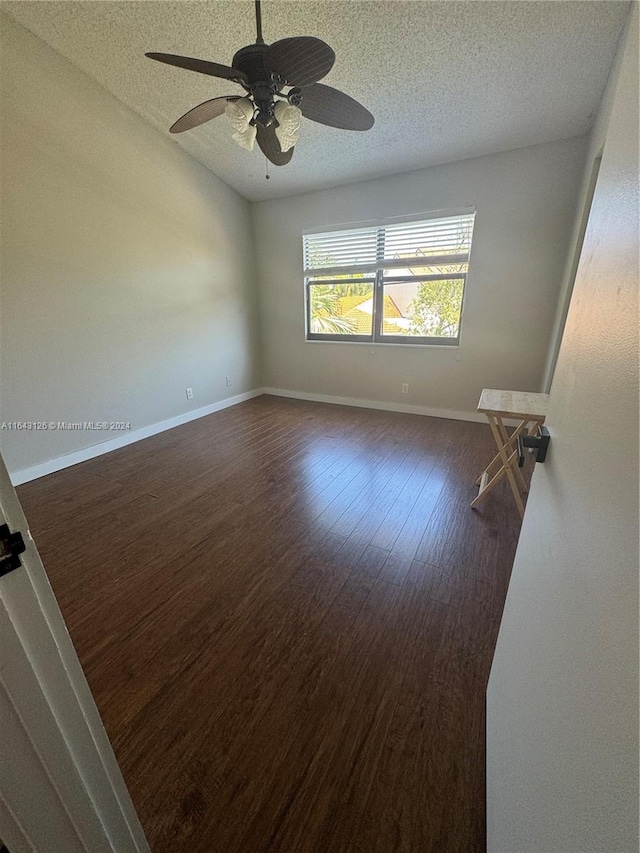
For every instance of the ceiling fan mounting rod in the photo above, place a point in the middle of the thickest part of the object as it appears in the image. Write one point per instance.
(259, 39)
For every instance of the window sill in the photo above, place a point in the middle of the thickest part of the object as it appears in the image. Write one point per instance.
(384, 345)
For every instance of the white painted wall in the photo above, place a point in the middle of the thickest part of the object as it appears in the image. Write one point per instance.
(127, 267)
(594, 150)
(562, 703)
(525, 201)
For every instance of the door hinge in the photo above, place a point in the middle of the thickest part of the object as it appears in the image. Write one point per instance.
(11, 546)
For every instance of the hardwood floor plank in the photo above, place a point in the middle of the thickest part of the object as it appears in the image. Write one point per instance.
(312, 739)
(287, 612)
(394, 519)
(407, 823)
(404, 548)
(378, 484)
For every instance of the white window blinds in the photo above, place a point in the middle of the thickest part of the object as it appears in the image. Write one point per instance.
(444, 240)
(353, 248)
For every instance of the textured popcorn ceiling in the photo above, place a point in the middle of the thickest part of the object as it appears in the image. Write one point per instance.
(445, 80)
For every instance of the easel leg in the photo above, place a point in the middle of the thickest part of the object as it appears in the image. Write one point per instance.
(506, 441)
(511, 440)
(505, 461)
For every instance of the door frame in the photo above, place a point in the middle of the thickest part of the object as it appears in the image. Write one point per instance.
(60, 786)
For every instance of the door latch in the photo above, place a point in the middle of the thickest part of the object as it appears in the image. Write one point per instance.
(11, 546)
(538, 443)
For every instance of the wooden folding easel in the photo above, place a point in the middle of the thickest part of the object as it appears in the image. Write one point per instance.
(531, 410)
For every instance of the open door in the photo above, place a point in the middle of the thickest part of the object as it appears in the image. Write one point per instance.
(60, 785)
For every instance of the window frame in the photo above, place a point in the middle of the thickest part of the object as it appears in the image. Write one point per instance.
(379, 281)
(316, 336)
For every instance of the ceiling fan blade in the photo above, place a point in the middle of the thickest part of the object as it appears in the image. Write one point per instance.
(300, 61)
(330, 106)
(270, 147)
(203, 112)
(213, 69)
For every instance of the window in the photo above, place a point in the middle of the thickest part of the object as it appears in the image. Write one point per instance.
(394, 283)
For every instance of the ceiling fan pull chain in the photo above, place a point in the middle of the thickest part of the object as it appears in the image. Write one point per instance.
(266, 168)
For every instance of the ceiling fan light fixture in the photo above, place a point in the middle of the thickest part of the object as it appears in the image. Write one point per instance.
(240, 114)
(245, 139)
(288, 129)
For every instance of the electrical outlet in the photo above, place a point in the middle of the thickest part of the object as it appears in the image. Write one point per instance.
(405, 387)
(228, 381)
(189, 393)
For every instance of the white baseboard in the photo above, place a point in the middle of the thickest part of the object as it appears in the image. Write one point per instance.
(377, 404)
(69, 459)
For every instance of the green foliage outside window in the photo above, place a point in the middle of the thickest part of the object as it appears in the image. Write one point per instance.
(435, 312)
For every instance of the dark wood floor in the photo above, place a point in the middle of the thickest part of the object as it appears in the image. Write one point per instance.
(287, 613)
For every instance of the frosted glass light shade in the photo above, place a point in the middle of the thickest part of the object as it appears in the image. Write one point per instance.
(246, 138)
(240, 113)
(288, 129)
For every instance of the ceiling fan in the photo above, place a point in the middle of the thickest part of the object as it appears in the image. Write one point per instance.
(266, 112)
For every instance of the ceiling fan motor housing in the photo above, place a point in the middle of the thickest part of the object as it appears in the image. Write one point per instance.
(260, 82)
(250, 60)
